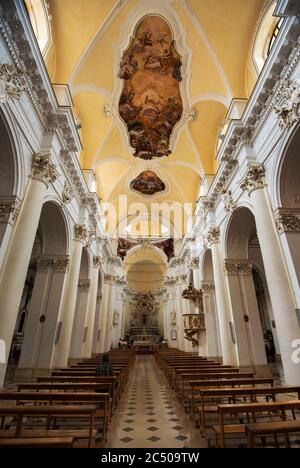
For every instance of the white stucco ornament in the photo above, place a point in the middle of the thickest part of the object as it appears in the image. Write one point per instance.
(287, 106)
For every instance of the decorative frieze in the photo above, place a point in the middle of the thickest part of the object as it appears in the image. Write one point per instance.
(287, 221)
(213, 236)
(255, 178)
(81, 234)
(12, 82)
(9, 210)
(43, 169)
(68, 193)
(287, 106)
(237, 268)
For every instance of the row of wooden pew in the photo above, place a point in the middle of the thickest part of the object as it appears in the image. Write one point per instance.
(70, 405)
(230, 405)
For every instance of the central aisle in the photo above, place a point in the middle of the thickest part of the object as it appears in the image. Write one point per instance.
(149, 415)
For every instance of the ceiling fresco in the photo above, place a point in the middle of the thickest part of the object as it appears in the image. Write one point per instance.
(148, 183)
(151, 104)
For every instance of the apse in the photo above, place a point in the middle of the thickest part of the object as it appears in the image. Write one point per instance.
(151, 103)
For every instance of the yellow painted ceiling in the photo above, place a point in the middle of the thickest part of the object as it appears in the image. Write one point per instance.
(86, 34)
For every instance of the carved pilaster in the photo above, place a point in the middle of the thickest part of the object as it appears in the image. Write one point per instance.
(9, 210)
(213, 236)
(12, 82)
(99, 298)
(81, 234)
(255, 178)
(43, 169)
(287, 106)
(287, 221)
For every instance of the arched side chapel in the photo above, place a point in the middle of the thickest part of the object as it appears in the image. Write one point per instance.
(68, 280)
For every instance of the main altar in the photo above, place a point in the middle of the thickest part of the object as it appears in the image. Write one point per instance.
(144, 330)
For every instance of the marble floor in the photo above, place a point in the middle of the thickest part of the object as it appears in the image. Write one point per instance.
(149, 416)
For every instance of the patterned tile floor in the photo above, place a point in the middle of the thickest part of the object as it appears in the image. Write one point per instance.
(149, 416)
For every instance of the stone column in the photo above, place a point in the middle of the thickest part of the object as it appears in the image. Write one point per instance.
(91, 309)
(97, 331)
(19, 252)
(39, 340)
(249, 336)
(62, 351)
(78, 331)
(279, 285)
(211, 322)
(223, 309)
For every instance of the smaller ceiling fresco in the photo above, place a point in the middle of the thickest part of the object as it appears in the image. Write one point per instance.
(148, 183)
(151, 104)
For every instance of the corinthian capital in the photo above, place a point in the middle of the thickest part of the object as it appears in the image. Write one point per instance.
(254, 179)
(81, 234)
(287, 221)
(43, 169)
(97, 262)
(213, 236)
(12, 82)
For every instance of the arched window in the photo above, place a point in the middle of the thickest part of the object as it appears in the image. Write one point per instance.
(40, 21)
(275, 34)
(267, 31)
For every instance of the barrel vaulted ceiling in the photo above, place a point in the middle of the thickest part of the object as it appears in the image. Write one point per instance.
(213, 39)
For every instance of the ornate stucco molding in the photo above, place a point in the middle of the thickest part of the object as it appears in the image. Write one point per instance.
(97, 261)
(207, 288)
(12, 82)
(68, 193)
(61, 265)
(81, 234)
(99, 298)
(9, 210)
(43, 169)
(213, 236)
(229, 204)
(236, 268)
(255, 178)
(58, 265)
(84, 285)
(287, 221)
(287, 106)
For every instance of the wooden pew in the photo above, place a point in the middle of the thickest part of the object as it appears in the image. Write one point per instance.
(250, 411)
(50, 442)
(46, 398)
(49, 412)
(272, 429)
(193, 397)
